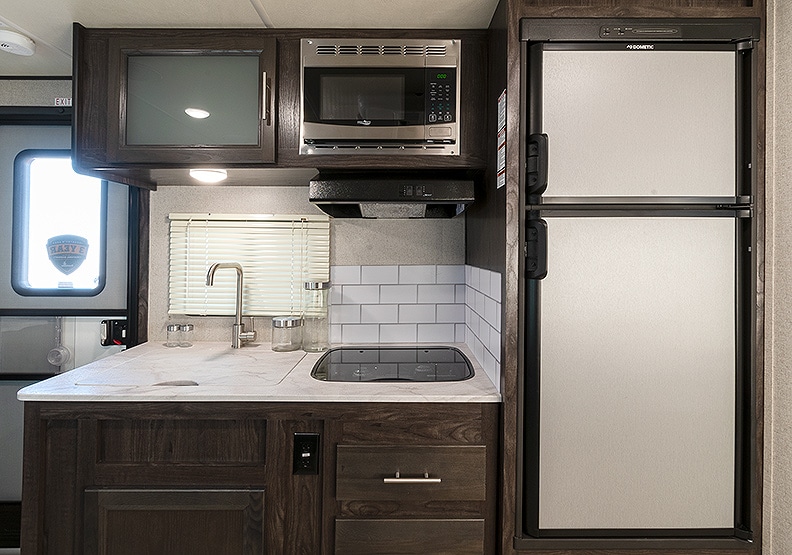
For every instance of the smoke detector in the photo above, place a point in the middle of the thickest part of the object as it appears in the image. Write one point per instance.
(16, 43)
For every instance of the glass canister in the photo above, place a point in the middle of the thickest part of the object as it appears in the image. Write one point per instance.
(174, 333)
(185, 338)
(316, 302)
(287, 333)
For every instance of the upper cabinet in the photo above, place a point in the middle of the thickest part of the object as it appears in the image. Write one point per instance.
(151, 103)
(159, 98)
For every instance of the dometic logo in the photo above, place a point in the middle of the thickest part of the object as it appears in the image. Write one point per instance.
(640, 47)
(364, 122)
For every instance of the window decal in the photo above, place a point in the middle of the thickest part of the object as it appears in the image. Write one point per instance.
(59, 230)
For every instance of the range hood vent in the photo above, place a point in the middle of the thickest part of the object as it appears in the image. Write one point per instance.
(388, 196)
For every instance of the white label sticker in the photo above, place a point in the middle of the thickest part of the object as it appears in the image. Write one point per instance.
(60, 101)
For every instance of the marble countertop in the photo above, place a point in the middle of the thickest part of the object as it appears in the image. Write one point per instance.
(210, 371)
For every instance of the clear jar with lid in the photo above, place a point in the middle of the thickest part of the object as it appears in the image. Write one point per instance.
(173, 335)
(316, 302)
(287, 332)
(185, 337)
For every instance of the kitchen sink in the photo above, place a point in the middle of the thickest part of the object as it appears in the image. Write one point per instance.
(393, 364)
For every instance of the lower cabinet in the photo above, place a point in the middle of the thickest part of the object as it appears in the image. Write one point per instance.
(176, 522)
(231, 478)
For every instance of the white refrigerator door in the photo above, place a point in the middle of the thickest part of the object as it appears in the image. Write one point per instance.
(637, 387)
(636, 123)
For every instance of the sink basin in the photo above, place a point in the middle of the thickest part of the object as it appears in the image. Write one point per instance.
(393, 364)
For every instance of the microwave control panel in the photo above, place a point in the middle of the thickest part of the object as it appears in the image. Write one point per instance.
(441, 95)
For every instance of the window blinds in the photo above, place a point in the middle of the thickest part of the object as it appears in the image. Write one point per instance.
(278, 253)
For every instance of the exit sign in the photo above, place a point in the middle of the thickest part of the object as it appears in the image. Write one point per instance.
(63, 101)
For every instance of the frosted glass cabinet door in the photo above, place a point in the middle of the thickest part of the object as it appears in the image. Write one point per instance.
(192, 100)
(636, 123)
(637, 385)
(187, 100)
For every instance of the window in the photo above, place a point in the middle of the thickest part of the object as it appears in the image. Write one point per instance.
(277, 253)
(59, 228)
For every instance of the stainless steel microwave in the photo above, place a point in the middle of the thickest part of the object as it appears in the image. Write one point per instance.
(375, 96)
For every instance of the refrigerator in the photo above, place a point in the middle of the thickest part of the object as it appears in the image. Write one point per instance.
(638, 225)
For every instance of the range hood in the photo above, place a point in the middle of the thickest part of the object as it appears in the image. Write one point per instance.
(390, 196)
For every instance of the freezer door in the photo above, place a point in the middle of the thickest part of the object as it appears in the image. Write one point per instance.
(636, 123)
(637, 374)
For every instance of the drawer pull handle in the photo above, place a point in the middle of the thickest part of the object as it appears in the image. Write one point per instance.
(397, 479)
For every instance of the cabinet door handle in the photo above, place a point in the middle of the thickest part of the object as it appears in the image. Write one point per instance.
(397, 479)
(264, 98)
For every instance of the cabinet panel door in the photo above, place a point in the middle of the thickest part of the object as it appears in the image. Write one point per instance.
(186, 100)
(176, 522)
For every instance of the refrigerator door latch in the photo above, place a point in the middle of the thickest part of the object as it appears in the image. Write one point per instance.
(535, 249)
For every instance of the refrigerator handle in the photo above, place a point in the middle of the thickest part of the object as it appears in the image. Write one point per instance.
(536, 164)
(535, 249)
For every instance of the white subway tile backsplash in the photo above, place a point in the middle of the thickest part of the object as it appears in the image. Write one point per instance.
(451, 274)
(450, 313)
(441, 333)
(379, 274)
(459, 294)
(360, 294)
(343, 275)
(490, 312)
(345, 314)
(398, 333)
(436, 294)
(398, 294)
(495, 286)
(336, 296)
(379, 314)
(360, 333)
(460, 333)
(475, 277)
(419, 303)
(418, 274)
(416, 313)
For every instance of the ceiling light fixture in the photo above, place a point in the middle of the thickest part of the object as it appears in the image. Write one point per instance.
(16, 43)
(196, 113)
(208, 175)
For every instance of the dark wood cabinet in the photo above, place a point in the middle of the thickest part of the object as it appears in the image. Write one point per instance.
(219, 478)
(136, 91)
(132, 86)
(176, 522)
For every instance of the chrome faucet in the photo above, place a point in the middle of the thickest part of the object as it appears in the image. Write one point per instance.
(239, 336)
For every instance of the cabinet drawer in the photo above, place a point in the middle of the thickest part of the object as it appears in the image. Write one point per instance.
(414, 536)
(446, 473)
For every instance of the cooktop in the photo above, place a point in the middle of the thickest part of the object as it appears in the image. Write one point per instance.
(393, 364)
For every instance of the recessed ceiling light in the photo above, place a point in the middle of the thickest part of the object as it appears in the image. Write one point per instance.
(208, 175)
(16, 43)
(196, 113)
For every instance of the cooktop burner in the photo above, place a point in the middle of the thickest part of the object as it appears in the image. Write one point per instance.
(393, 364)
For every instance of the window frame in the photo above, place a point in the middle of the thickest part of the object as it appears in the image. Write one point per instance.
(20, 239)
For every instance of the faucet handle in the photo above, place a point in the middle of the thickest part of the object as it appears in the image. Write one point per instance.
(247, 336)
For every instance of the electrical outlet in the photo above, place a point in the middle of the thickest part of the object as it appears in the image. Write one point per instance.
(306, 453)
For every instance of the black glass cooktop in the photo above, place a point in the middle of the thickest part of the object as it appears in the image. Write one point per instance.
(393, 364)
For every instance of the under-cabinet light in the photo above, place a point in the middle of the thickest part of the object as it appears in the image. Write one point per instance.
(196, 113)
(207, 175)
